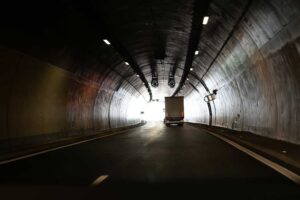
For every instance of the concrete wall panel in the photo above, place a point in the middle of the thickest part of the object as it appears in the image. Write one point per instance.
(42, 103)
(257, 73)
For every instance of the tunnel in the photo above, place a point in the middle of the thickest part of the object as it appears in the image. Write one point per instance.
(79, 70)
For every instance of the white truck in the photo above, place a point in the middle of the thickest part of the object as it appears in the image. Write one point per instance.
(174, 110)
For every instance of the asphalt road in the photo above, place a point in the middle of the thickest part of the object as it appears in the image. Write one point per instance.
(149, 162)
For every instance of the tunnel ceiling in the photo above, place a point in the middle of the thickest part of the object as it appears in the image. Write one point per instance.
(157, 38)
(153, 36)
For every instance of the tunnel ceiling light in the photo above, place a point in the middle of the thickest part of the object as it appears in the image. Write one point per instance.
(106, 41)
(126, 63)
(187, 79)
(196, 52)
(137, 75)
(205, 20)
(191, 69)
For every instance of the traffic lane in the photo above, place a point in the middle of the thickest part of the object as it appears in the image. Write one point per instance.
(151, 157)
(184, 161)
(146, 154)
(185, 153)
(75, 165)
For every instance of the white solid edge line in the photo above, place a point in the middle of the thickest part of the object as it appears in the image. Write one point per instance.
(282, 170)
(99, 180)
(56, 148)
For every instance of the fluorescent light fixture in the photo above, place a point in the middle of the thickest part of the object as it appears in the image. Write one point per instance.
(196, 52)
(126, 63)
(106, 41)
(205, 20)
(191, 69)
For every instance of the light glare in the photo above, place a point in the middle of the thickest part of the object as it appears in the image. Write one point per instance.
(154, 111)
(205, 20)
(196, 52)
(106, 41)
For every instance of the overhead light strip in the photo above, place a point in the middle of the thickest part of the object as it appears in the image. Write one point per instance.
(106, 41)
(205, 20)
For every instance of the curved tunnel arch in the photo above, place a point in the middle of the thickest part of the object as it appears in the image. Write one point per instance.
(53, 89)
(252, 75)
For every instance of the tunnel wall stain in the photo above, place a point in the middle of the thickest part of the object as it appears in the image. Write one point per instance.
(42, 103)
(257, 74)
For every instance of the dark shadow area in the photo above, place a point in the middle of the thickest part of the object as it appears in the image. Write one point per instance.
(217, 189)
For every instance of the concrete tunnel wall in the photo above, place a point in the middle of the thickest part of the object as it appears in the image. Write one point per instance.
(41, 102)
(257, 74)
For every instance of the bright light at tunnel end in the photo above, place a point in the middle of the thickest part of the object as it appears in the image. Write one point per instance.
(205, 20)
(154, 111)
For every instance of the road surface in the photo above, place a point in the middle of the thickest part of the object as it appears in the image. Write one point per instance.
(154, 162)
